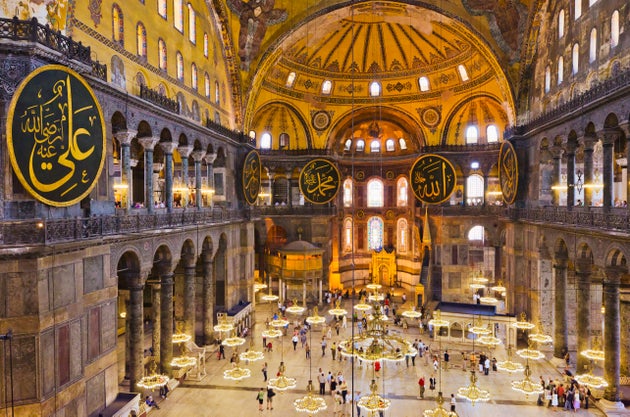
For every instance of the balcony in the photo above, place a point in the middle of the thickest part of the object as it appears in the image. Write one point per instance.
(279, 210)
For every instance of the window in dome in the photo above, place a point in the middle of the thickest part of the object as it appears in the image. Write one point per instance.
(265, 141)
(560, 70)
(141, 39)
(118, 28)
(162, 8)
(474, 165)
(402, 143)
(178, 15)
(463, 74)
(424, 83)
(206, 84)
(180, 66)
(576, 59)
(492, 134)
(347, 193)
(347, 235)
(347, 145)
(252, 134)
(375, 146)
(561, 24)
(614, 29)
(375, 89)
(578, 9)
(360, 147)
(547, 79)
(216, 92)
(375, 191)
(402, 235)
(592, 48)
(402, 192)
(192, 24)
(476, 233)
(290, 79)
(326, 87)
(162, 54)
(472, 135)
(390, 145)
(193, 76)
(474, 190)
(375, 233)
(205, 45)
(283, 140)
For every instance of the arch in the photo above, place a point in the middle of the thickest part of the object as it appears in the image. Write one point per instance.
(119, 123)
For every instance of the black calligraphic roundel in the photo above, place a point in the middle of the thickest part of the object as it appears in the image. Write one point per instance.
(251, 177)
(319, 181)
(508, 172)
(56, 136)
(432, 178)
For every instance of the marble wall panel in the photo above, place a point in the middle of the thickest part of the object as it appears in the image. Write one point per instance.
(95, 393)
(92, 274)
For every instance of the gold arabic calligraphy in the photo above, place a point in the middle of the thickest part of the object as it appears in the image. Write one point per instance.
(319, 181)
(251, 177)
(508, 172)
(432, 178)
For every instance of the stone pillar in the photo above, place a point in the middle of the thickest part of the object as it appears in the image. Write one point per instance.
(168, 148)
(136, 335)
(148, 144)
(608, 141)
(189, 296)
(289, 190)
(210, 158)
(589, 145)
(560, 334)
(556, 152)
(583, 273)
(197, 157)
(166, 323)
(184, 152)
(156, 303)
(125, 137)
(208, 297)
(611, 332)
(570, 152)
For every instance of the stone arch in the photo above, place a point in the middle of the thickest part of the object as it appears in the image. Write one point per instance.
(221, 275)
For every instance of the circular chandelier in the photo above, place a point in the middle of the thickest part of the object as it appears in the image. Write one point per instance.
(490, 340)
(437, 321)
(233, 341)
(439, 411)
(591, 380)
(473, 393)
(479, 329)
(271, 333)
(337, 311)
(181, 337)
(309, 403)
(153, 380)
(530, 353)
(594, 354)
(373, 402)
(526, 385)
(508, 365)
(539, 336)
(477, 286)
(315, 318)
(251, 355)
(374, 287)
(295, 308)
(376, 297)
(282, 383)
(362, 306)
(269, 296)
(237, 373)
(259, 286)
(223, 327)
(523, 324)
(279, 323)
(499, 288)
(412, 314)
(183, 361)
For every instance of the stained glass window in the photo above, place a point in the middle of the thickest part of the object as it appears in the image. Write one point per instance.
(347, 235)
(375, 193)
(403, 192)
(347, 193)
(178, 15)
(375, 233)
(192, 24)
(141, 39)
(402, 235)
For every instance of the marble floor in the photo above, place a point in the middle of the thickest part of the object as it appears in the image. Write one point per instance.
(217, 397)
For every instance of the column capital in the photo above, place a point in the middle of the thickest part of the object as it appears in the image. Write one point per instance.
(133, 162)
(168, 147)
(125, 136)
(198, 155)
(570, 147)
(589, 142)
(148, 143)
(561, 263)
(210, 158)
(556, 151)
(185, 150)
(583, 266)
(610, 135)
(614, 273)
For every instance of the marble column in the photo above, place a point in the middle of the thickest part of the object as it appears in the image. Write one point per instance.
(189, 296)
(560, 334)
(197, 157)
(166, 323)
(289, 190)
(168, 148)
(589, 144)
(148, 143)
(208, 297)
(570, 152)
(608, 141)
(556, 152)
(125, 137)
(612, 334)
(184, 152)
(210, 158)
(156, 304)
(583, 271)
(136, 335)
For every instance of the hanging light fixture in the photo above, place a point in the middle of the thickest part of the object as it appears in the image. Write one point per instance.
(282, 382)
(508, 365)
(295, 308)
(251, 355)
(522, 323)
(526, 385)
(373, 402)
(362, 305)
(538, 336)
(472, 392)
(337, 311)
(315, 318)
(153, 380)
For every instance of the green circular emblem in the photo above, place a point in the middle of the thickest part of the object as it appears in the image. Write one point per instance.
(433, 178)
(56, 136)
(251, 177)
(508, 172)
(319, 181)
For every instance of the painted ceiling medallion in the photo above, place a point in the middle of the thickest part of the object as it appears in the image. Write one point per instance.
(320, 120)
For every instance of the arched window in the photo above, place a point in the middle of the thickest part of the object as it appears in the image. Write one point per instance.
(560, 70)
(578, 9)
(390, 145)
(206, 84)
(375, 146)
(476, 233)
(423, 82)
(472, 135)
(614, 29)
(162, 54)
(192, 24)
(591, 2)
(347, 145)
(178, 15)
(118, 27)
(326, 87)
(205, 45)
(347, 235)
(575, 59)
(141, 40)
(217, 96)
(402, 143)
(492, 134)
(375, 233)
(402, 192)
(360, 145)
(283, 140)
(193, 76)
(375, 193)
(547, 79)
(561, 24)
(474, 190)
(265, 141)
(402, 236)
(252, 135)
(290, 79)
(375, 89)
(180, 66)
(592, 47)
(347, 193)
(162, 8)
(463, 74)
